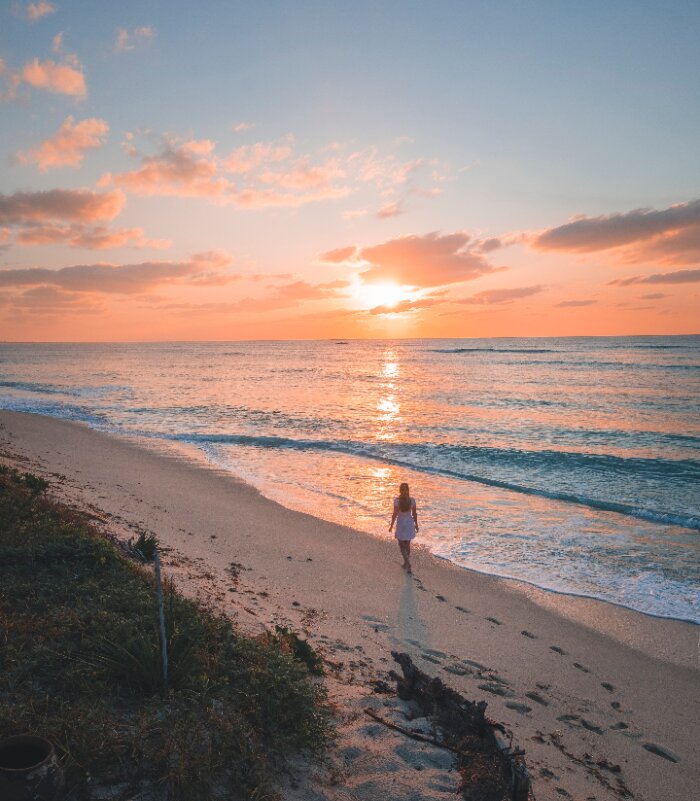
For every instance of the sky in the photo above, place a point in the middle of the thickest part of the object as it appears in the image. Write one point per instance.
(244, 170)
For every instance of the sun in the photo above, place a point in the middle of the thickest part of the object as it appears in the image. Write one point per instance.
(388, 294)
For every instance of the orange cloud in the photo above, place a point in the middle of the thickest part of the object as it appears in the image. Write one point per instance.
(428, 260)
(66, 148)
(125, 279)
(672, 234)
(63, 79)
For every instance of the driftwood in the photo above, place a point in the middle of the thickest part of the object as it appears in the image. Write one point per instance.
(491, 769)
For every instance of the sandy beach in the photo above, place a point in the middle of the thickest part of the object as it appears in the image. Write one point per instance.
(583, 685)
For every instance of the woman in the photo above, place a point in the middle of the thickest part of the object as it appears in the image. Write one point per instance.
(406, 519)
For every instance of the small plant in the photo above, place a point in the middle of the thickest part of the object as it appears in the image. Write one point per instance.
(145, 547)
(35, 484)
(136, 661)
(299, 649)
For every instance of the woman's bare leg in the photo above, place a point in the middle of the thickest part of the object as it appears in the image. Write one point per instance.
(405, 548)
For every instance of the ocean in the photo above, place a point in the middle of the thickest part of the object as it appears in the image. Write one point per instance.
(572, 464)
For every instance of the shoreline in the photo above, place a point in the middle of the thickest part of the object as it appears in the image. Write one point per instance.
(346, 590)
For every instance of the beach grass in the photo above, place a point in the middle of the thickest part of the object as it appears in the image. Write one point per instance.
(81, 666)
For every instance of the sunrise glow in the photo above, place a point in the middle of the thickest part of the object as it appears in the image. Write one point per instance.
(171, 178)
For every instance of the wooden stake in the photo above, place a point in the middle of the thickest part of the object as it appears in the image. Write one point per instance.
(161, 620)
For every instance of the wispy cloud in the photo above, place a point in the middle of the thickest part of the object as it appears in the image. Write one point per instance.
(492, 297)
(67, 147)
(677, 277)
(33, 12)
(261, 174)
(126, 39)
(573, 304)
(242, 127)
(390, 210)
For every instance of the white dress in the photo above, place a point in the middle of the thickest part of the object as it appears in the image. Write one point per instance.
(405, 525)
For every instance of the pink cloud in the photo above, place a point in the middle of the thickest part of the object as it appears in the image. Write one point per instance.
(64, 79)
(428, 260)
(671, 234)
(67, 147)
(125, 279)
(186, 170)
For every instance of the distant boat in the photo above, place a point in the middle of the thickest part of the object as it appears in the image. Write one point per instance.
(342, 342)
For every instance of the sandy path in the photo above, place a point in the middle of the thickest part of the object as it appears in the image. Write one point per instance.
(578, 682)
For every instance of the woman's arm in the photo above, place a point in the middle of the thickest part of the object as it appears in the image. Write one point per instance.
(415, 515)
(393, 517)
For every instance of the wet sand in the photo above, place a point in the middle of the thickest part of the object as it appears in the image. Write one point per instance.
(605, 701)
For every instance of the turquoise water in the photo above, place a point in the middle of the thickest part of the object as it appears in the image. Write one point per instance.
(569, 463)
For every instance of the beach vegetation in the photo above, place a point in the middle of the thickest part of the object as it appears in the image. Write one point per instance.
(145, 546)
(81, 666)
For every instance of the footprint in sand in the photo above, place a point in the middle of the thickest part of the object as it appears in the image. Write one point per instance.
(462, 609)
(577, 720)
(496, 689)
(621, 726)
(607, 686)
(441, 597)
(494, 620)
(557, 650)
(521, 708)
(433, 652)
(616, 705)
(458, 670)
(430, 658)
(581, 667)
(664, 753)
(528, 634)
(537, 698)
